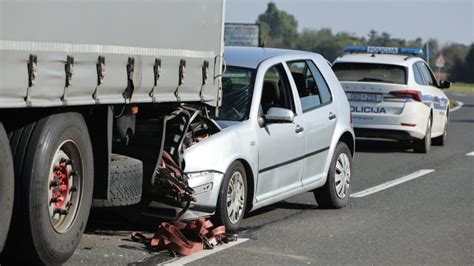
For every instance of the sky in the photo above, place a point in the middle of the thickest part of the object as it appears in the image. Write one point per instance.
(447, 21)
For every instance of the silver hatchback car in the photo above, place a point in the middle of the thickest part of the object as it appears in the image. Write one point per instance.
(285, 129)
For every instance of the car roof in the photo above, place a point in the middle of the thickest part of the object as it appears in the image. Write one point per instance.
(251, 57)
(390, 59)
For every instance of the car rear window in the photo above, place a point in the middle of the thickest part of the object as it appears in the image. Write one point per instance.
(364, 72)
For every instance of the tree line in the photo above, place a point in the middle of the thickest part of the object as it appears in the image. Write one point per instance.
(279, 29)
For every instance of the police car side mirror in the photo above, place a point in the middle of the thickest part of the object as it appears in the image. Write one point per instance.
(444, 84)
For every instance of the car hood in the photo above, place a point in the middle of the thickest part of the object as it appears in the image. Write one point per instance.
(214, 153)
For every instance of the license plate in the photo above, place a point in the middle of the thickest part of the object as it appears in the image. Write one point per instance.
(364, 97)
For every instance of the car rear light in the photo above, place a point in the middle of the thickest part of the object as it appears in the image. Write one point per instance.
(415, 95)
(408, 125)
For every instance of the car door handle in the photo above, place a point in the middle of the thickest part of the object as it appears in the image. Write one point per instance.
(332, 116)
(299, 129)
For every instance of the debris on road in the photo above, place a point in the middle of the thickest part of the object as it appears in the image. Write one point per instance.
(185, 238)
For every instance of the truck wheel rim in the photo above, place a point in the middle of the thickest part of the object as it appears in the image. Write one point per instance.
(235, 197)
(342, 175)
(65, 186)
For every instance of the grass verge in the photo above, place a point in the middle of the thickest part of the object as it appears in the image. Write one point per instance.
(458, 87)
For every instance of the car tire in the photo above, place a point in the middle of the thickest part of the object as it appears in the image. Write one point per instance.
(53, 159)
(441, 140)
(7, 186)
(424, 145)
(335, 192)
(126, 176)
(232, 200)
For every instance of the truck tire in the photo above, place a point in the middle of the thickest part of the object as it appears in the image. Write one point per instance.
(54, 171)
(335, 192)
(126, 177)
(6, 186)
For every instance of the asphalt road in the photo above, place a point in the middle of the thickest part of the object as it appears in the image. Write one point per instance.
(428, 220)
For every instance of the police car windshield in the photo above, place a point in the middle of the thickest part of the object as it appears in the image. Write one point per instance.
(237, 90)
(365, 72)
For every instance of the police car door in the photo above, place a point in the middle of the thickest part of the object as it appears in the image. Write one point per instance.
(433, 97)
(319, 116)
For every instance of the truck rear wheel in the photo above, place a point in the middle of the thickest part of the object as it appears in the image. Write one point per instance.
(6, 186)
(54, 190)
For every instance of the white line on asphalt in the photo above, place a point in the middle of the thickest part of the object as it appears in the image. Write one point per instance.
(390, 184)
(204, 253)
(460, 104)
(470, 154)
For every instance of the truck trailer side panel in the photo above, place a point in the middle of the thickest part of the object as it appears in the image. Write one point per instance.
(55, 53)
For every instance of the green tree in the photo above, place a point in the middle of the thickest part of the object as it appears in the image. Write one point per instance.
(456, 58)
(469, 65)
(320, 41)
(277, 28)
(373, 37)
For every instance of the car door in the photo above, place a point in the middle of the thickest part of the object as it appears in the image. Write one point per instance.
(280, 145)
(433, 97)
(318, 117)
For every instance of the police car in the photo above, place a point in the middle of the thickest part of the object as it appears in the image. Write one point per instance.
(393, 94)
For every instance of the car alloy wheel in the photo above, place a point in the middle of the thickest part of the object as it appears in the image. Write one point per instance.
(342, 175)
(235, 197)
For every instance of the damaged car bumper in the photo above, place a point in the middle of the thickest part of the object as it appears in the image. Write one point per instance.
(206, 186)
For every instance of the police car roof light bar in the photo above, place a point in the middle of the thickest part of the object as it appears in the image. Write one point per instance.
(383, 50)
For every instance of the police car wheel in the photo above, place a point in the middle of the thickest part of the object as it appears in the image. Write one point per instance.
(424, 145)
(441, 140)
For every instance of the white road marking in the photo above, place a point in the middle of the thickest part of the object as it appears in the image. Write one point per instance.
(204, 253)
(391, 183)
(460, 104)
(470, 154)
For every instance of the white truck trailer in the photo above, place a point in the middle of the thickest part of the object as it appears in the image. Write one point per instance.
(80, 83)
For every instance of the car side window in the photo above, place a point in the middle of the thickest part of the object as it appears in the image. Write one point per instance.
(426, 74)
(305, 85)
(276, 91)
(323, 87)
(417, 75)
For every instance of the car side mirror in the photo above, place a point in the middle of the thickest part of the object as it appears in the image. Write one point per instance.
(279, 115)
(444, 84)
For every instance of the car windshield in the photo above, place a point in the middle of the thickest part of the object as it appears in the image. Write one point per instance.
(237, 89)
(370, 72)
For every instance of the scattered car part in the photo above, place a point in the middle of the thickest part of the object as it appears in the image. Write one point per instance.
(186, 238)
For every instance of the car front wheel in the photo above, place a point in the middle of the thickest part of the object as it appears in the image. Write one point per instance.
(232, 198)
